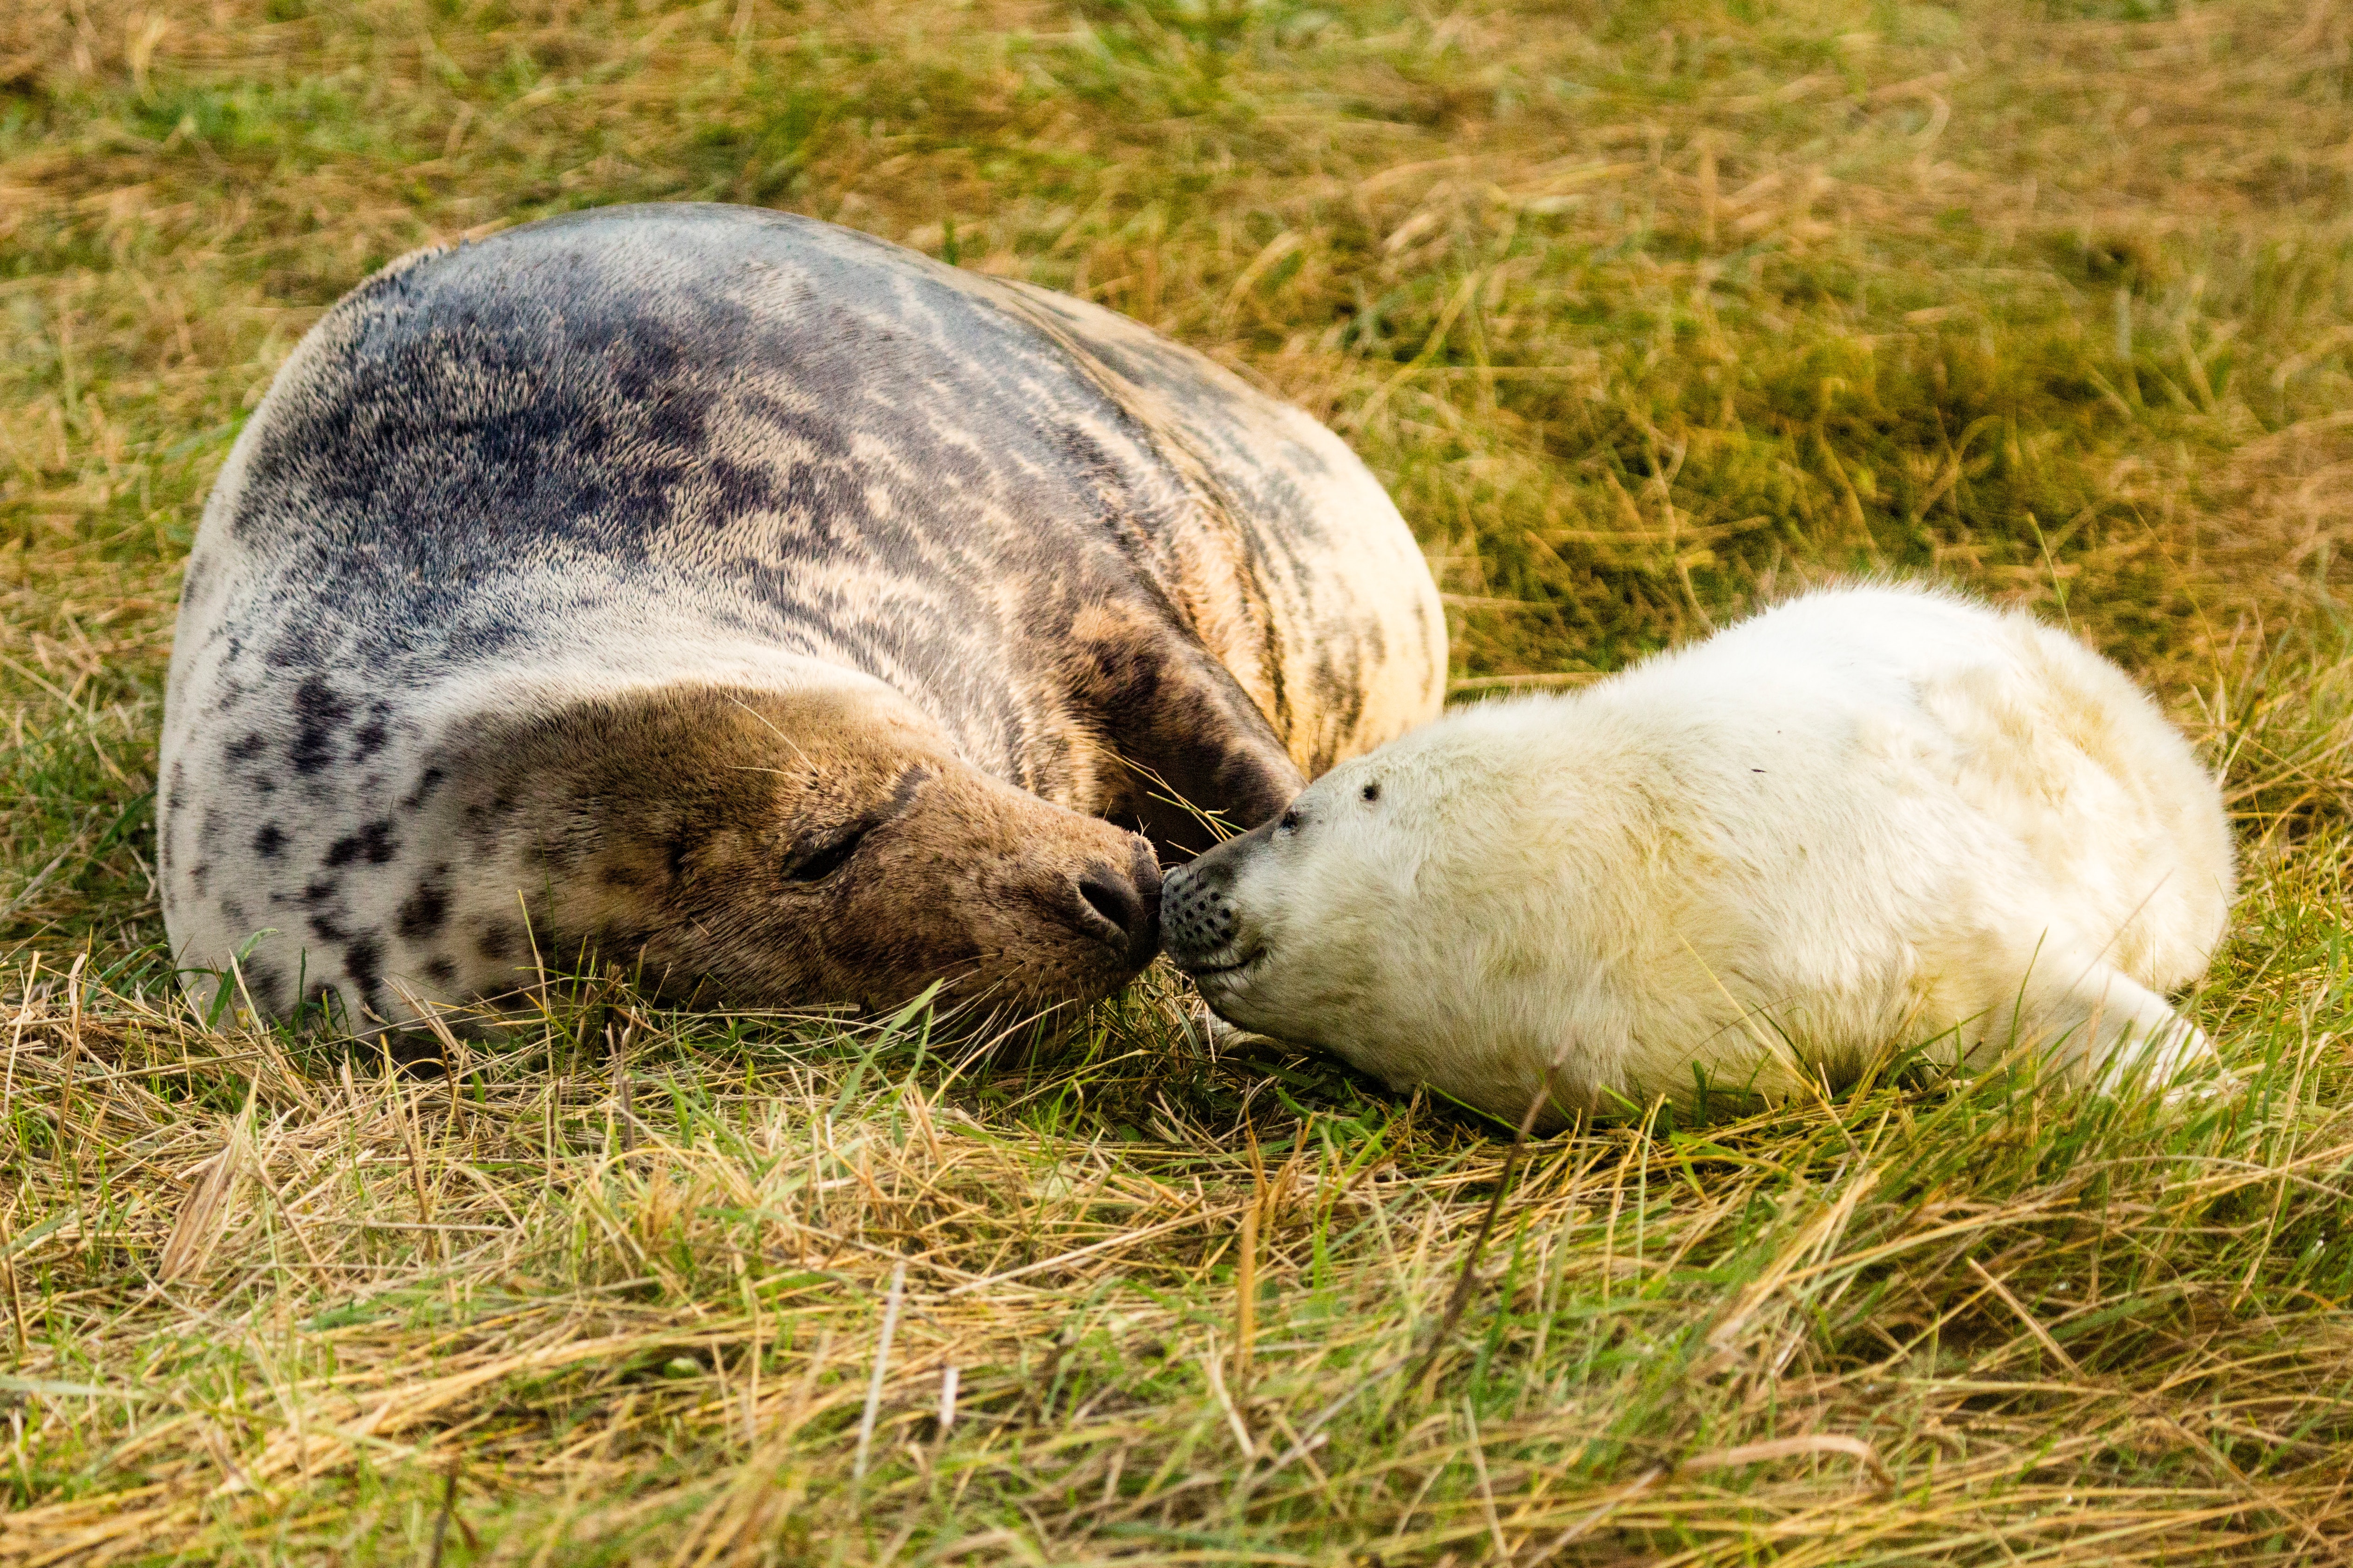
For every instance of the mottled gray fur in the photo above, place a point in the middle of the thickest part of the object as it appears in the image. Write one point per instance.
(593, 490)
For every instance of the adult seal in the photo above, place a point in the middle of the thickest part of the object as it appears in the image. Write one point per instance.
(779, 613)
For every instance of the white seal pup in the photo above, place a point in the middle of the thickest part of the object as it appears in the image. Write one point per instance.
(1868, 817)
(759, 605)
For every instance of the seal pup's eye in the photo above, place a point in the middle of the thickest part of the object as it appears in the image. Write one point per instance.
(1372, 791)
(826, 858)
(1290, 822)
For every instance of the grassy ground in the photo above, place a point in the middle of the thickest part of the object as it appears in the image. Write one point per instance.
(1643, 310)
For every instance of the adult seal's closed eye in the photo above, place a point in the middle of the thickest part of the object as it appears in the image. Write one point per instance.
(775, 611)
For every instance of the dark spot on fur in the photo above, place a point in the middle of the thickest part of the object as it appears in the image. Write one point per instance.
(363, 961)
(479, 639)
(232, 912)
(371, 737)
(198, 875)
(426, 783)
(268, 986)
(319, 713)
(374, 842)
(304, 644)
(903, 794)
(246, 749)
(441, 972)
(486, 822)
(269, 841)
(741, 488)
(496, 943)
(1090, 460)
(327, 928)
(424, 911)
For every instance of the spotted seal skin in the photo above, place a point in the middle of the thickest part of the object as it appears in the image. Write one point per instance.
(768, 607)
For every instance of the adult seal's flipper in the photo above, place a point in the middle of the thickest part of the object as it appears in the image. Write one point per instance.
(1199, 757)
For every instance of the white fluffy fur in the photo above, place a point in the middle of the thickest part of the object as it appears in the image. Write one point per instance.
(1868, 818)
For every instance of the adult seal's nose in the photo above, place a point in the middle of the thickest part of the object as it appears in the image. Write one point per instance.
(1122, 909)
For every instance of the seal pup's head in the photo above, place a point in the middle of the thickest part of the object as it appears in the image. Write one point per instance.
(1407, 912)
(1352, 920)
(803, 849)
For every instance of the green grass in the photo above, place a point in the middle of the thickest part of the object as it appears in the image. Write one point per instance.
(1642, 312)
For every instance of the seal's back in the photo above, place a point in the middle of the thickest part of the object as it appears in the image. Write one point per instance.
(627, 449)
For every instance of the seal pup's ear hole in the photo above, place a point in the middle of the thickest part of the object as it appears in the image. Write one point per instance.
(1371, 791)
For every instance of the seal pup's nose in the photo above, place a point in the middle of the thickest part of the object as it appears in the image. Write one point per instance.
(1199, 918)
(1122, 909)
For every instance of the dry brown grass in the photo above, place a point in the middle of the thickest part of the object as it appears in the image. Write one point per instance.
(266, 1293)
(1643, 312)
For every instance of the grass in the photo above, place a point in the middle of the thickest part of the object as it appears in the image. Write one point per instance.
(1643, 310)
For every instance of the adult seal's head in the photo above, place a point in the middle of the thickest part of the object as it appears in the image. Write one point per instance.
(748, 844)
(773, 612)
